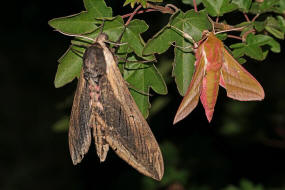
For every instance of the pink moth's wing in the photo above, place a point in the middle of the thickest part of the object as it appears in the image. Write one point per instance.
(191, 97)
(238, 82)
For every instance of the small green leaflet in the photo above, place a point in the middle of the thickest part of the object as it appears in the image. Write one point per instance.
(142, 2)
(273, 26)
(244, 5)
(219, 7)
(265, 6)
(252, 47)
(142, 77)
(85, 21)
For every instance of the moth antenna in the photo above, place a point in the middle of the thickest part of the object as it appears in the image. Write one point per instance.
(116, 43)
(181, 47)
(137, 90)
(213, 24)
(184, 34)
(76, 35)
(232, 29)
(76, 43)
(228, 30)
(138, 61)
(77, 52)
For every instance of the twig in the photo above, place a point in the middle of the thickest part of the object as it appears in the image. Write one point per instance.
(246, 17)
(195, 5)
(132, 15)
(169, 8)
(247, 33)
(234, 37)
(172, 6)
(254, 18)
(139, 12)
(217, 19)
(162, 9)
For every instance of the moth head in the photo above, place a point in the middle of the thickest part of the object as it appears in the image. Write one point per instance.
(101, 38)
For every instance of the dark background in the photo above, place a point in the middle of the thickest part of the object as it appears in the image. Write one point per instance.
(244, 145)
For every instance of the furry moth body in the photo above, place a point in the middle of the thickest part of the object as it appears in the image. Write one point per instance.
(103, 107)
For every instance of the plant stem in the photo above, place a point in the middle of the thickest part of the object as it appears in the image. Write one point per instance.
(195, 5)
(133, 14)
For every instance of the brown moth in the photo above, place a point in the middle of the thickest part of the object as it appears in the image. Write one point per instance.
(104, 105)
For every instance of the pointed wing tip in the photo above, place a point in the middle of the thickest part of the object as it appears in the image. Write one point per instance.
(75, 161)
(177, 118)
(209, 119)
(180, 115)
(209, 115)
(160, 169)
(159, 174)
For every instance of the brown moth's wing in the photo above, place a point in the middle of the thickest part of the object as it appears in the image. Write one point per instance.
(79, 134)
(191, 98)
(127, 132)
(238, 82)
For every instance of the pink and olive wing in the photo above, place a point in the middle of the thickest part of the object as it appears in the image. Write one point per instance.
(238, 82)
(191, 97)
(79, 134)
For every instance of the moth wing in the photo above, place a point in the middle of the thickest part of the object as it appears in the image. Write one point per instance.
(191, 98)
(238, 82)
(79, 134)
(128, 133)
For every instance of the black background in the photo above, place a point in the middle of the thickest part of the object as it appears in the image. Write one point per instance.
(34, 156)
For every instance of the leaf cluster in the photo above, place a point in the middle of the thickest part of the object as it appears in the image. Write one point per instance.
(258, 36)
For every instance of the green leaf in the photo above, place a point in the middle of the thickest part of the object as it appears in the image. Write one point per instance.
(265, 6)
(75, 24)
(282, 7)
(98, 8)
(69, 67)
(259, 25)
(281, 22)
(243, 4)
(142, 77)
(160, 42)
(190, 22)
(183, 69)
(114, 28)
(252, 47)
(273, 26)
(142, 2)
(134, 40)
(219, 7)
(84, 22)
(262, 40)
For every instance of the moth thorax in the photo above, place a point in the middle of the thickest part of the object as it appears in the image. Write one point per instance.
(94, 63)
